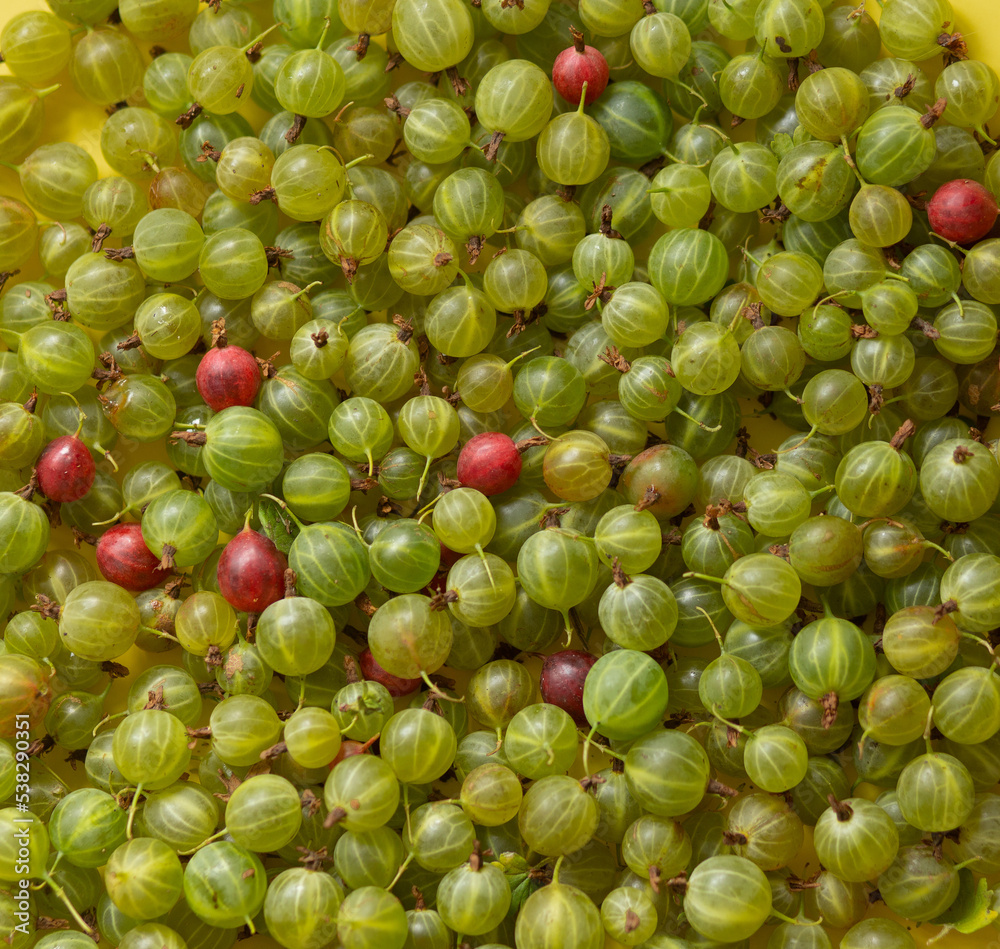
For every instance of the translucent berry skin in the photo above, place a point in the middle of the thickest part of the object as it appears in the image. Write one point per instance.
(65, 469)
(124, 558)
(489, 462)
(572, 68)
(251, 572)
(396, 686)
(228, 376)
(561, 681)
(962, 211)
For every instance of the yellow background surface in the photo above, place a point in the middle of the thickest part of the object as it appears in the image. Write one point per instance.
(69, 117)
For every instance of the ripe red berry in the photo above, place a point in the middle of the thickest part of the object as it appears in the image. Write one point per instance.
(489, 462)
(396, 686)
(251, 572)
(227, 376)
(576, 65)
(561, 681)
(65, 469)
(962, 211)
(124, 558)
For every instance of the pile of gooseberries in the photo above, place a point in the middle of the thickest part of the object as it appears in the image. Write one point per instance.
(518, 475)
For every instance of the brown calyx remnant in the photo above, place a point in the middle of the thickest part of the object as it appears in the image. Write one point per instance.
(876, 399)
(551, 518)
(447, 484)
(831, 704)
(491, 148)
(172, 588)
(758, 460)
(336, 815)
(293, 133)
(522, 320)
(797, 884)
(363, 603)
(605, 227)
(600, 292)
(185, 119)
(534, 442)
(474, 247)
(48, 608)
(320, 339)
(154, 699)
(290, 578)
(209, 153)
(776, 215)
(167, 557)
(649, 498)
(314, 859)
(720, 789)
(918, 322)
(440, 601)
(459, 83)
(734, 838)
(275, 751)
(41, 746)
(81, 537)
(793, 74)
(751, 312)
(712, 514)
(902, 433)
(120, 253)
(618, 575)
(114, 669)
(577, 37)
(615, 359)
(214, 658)
(960, 455)
(843, 811)
(405, 333)
(265, 194)
(129, 342)
(363, 484)
(27, 492)
(863, 331)
(737, 121)
(732, 737)
(396, 107)
(953, 45)
(476, 857)
(275, 255)
(194, 439)
(220, 338)
(902, 91)
(420, 381)
(780, 550)
(5, 275)
(100, 236)
(55, 302)
(360, 48)
(933, 114)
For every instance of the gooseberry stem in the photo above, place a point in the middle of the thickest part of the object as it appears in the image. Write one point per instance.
(131, 810)
(64, 899)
